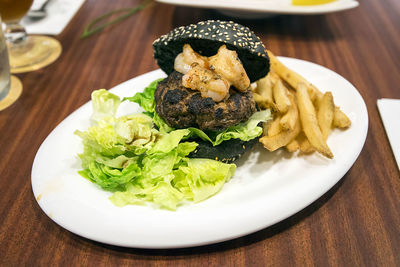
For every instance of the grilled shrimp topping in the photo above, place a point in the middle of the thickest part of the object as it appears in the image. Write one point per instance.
(227, 63)
(209, 83)
(214, 75)
(188, 57)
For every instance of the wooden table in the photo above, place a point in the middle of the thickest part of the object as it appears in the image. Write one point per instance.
(356, 223)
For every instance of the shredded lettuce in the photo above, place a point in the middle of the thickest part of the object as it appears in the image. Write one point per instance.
(201, 178)
(128, 156)
(168, 184)
(104, 105)
(146, 100)
(244, 131)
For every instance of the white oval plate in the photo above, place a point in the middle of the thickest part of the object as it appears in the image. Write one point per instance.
(267, 187)
(259, 8)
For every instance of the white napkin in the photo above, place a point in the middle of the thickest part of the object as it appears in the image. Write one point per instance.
(59, 14)
(390, 114)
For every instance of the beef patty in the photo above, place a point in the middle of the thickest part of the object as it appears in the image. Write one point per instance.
(182, 107)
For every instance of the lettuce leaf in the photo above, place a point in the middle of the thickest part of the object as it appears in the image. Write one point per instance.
(146, 100)
(194, 180)
(104, 105)
(243, 131)
(202, 178)
(115, 136)
(139, 163)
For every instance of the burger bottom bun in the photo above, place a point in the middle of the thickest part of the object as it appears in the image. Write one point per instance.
(227, 151)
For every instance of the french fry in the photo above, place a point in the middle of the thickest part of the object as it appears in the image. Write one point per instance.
(281, 139)
(261, 101)
(275, 127)
(288, 120)
(291, 77)
(306, 147)
(282, 101)
(273, 76)
(309, 121)
(340, 120)
(293, 146)
(325, 113)
(310, 112)
(304, 144)
(264, 89)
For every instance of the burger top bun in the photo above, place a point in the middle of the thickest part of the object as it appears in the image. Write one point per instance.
(206, 37)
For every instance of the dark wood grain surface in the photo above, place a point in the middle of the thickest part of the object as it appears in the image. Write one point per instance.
(357, 223)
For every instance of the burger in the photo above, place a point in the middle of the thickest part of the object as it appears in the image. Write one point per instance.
(203, 109)
(210, 67)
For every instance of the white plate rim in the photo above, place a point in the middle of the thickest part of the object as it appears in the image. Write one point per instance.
(242, 8)
(285, 211)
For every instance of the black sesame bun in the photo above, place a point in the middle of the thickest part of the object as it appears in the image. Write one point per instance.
(227, 151)
(181, 107)
(206, 37)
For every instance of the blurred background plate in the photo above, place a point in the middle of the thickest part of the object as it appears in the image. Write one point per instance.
(263, 8)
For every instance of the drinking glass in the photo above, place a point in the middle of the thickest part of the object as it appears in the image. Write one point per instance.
(26, 52)
(10, 86)
(4, 67)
